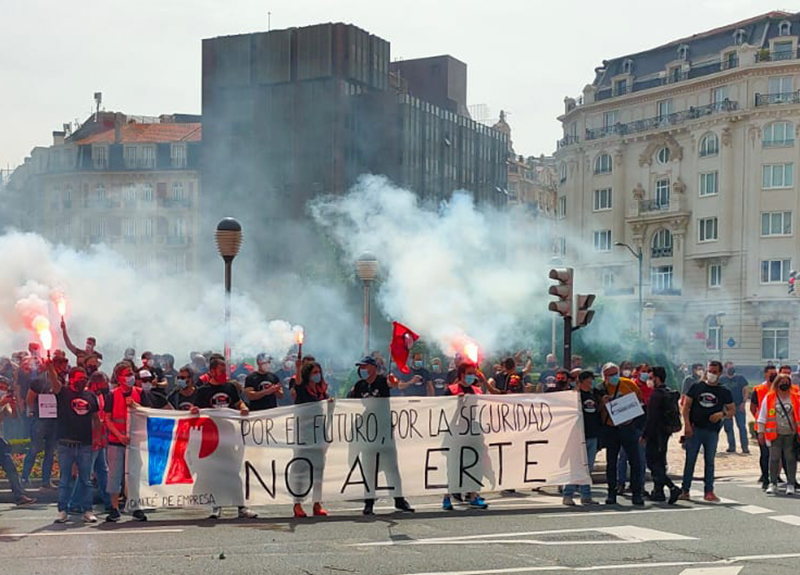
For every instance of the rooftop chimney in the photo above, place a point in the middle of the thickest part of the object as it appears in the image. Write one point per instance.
(58, 138)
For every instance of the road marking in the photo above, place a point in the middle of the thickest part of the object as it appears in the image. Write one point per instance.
(85, 532)
(712, 571)
(623, 533)
(616, 567)
(753, 509)
(790, 519)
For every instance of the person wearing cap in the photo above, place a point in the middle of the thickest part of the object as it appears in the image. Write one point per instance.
(8, 407)
(438, 377)
(262, 387)
(154, 389)
(624, 436)
(592, 426)
(80, 354)
(370, 385)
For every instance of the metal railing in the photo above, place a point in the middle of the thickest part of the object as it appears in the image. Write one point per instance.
(776, 56)
(567, 141)
(662, 121)
(778, 98)
(730, 63)
(653, 206)
(665, 252)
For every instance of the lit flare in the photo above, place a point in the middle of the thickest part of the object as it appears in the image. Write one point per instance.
(41, 325)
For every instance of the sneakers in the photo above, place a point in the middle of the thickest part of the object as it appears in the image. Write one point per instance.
(674, 494)
(62, 517)
(772, 489)
(684, 496)
(764, 485)
(216, 513)
(139, 515)
(710, 497)
(588, 501)
(401, 504)
(657, 496)
(89, 517)
(299, 512)
(245, 513)
(447, 505)
(319, 510)
(369, 508)
(113, 516)
(568, 501)
(477, 502)
(25, 500)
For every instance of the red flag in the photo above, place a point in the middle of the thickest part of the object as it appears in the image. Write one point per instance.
(402, 341)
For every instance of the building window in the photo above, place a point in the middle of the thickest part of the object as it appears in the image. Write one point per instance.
(610, 119)
(661, 244)
(739, 37)
(99, 158)
(780, 86)
(130, 155)
(775, 271)
(129, 227)
(714, 275)
(627, 66)
(775, 340)
(776, 223)
(663, 156)
(608, 279)
(709, 184)
(602, 165)
(563, 172)
(130, 193)
(620, 87)
(784, 28)
(730, 60)
(99, 192)
(719, 94)
(147, 157)
(713, 334)
(782, 51)
(147, 193)
(778, 134)
(602, 199)
(147, 227)
(662, 193)
(675, 74)
(708, 229)
(663, 110)
(178, 193)
(661, 279)
(683, 52)
(602, 241)
(562, 246)
(68, 196)
(777, 176)
(709, 145)
(178, 155)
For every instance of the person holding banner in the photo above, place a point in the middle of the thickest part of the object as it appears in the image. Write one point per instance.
(622, 405)
(466, 383)
(185, 394)
(592, 426)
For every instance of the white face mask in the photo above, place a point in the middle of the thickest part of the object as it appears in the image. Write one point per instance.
(711, 378)
(626, 373)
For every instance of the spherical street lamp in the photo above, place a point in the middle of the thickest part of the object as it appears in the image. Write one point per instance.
(229, 240)
(367, 271)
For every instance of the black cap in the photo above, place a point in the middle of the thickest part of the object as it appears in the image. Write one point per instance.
(368, 360)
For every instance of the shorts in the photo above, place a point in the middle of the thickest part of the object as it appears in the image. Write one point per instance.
(116, 468)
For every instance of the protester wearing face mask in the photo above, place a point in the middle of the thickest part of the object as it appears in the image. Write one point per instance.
(98, 385)
(416, 383)
(592, 426)
(549, 372)
(509, 380)
(641, 377)
(662, 415)
(77, 412)
(756, 400)
(706, 405)
(561, 382)
(437, 377)
(154, 389)
(738, 388)
(262, 387)
(150, 364)
(8, 408)
(185, 393)
(624, 436)
(778, 421)
(124, 395)
(81, 355)
(43, 431)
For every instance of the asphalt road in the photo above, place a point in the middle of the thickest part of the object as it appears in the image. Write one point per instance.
(748, 534)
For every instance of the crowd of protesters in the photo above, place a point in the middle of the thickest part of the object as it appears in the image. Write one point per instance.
(84, 420)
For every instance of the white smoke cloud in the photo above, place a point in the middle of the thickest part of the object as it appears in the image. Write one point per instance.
(446, 271)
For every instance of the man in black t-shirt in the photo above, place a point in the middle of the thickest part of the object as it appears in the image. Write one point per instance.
(706, 405)
(548, 375)
(509, 380)
(416, 383)
(77, 415)
(591, 403)
(185, 394)
(437, 377)
(263, 388)
(43, 432)
(737, 385)
(371, 385)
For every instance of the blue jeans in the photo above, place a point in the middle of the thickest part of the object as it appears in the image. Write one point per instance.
(69, 455)
(707, 439)
(7, 463)
(591, 454)
(100, 469)
(741, 425)
(622, 463)
(43, 437)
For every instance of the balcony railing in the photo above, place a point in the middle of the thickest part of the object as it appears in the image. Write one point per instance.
(778, 98)
(662, 121)
(665, 291)
(776, 56)
(662, 252)
(567, 141)
(653, 206)
(730, 63)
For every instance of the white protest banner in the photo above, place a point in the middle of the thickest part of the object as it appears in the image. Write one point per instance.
(624, 408)
(352, 449)
(48, 406)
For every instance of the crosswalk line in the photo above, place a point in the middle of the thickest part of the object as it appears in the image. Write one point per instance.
(754, 509)
(712, 571)
(790, 519)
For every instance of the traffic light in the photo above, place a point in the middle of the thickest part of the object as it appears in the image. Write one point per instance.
(584, 315)
(563, 291)
(792, 280)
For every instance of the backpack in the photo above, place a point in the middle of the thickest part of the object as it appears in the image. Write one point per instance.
(672, 411)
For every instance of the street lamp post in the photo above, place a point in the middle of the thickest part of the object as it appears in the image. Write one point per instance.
(229, 240)
(720, 340)
(367, 271)
(639, 255)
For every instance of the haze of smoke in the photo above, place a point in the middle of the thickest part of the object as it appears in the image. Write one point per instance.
(446, 271)
(160, 312)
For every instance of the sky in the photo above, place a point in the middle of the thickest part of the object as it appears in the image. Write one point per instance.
(523, 56)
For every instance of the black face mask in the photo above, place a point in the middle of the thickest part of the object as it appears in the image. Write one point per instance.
(785, 386)
(772, 377)
(731, 371)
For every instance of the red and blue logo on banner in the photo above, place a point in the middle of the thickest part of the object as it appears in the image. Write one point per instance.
(167, 441)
